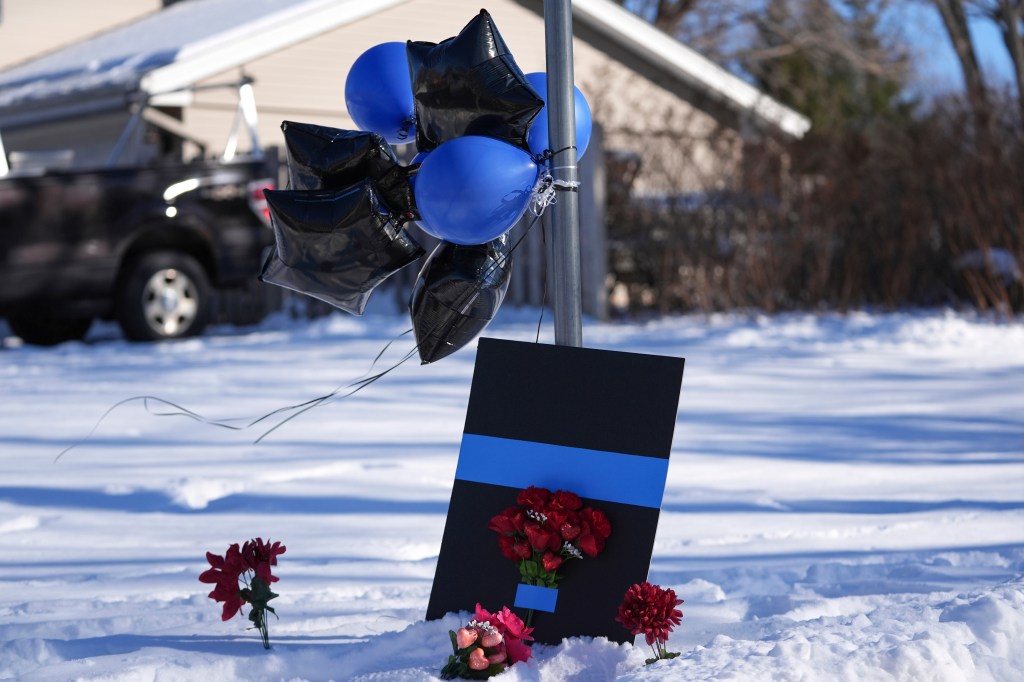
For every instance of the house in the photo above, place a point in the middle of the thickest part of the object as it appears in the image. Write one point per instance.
(652, 97)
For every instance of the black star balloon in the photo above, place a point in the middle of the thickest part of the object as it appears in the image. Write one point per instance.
(336, 244)
(470, 85)
(320, 157)
(458, 291)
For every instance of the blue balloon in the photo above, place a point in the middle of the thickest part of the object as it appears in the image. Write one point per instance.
(537, 138)
(473, 189)
(378, 93)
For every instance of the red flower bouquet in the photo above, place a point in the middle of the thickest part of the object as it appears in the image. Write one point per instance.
(545, 530)
(487, 645)
(243, 575)
(651, 611)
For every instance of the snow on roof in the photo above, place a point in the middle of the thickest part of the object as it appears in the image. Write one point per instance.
(150, 53)
(189, 41)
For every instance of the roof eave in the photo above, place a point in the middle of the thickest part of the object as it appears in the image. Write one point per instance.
(208, 58)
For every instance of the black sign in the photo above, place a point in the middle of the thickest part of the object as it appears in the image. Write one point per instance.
(597, 423)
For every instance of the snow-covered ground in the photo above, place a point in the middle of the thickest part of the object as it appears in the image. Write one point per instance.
(845, 502)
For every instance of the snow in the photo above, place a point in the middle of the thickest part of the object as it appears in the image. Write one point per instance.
(845, 500)
(121, 56)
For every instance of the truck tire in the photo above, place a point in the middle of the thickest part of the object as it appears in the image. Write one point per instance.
(164, 295)
(49, 331)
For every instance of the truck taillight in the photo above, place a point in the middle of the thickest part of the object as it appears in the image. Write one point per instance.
(257, 201)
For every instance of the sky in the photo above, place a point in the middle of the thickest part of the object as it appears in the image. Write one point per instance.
(937, 68)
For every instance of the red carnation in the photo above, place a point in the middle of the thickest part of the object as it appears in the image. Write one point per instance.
(598, 522)
(564, 500)
(508, 522)
(534, 498)
(651, 611)
(514, 549)
(542, 539)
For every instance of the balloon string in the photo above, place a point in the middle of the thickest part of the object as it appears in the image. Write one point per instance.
(180, 411)
(543, 157)
(544, 192)
(358, 386)
(300, 408)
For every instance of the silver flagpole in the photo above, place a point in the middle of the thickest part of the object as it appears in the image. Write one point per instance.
(565, 221)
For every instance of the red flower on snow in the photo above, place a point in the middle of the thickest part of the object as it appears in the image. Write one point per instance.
(243, 576)
(651, 611)
(225, 572)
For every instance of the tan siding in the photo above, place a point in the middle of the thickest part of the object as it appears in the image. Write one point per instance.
(679, 144)
(31, 27)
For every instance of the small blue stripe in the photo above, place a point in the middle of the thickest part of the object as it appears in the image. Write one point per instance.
(593, 474)
(536, 598)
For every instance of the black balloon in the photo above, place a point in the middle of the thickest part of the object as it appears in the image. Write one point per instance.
(335, 244)
(320, 157)
(458, 291)
(470, 85)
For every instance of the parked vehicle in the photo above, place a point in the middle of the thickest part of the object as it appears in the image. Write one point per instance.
(147, 245)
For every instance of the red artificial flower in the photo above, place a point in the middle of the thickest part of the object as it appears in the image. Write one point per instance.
(596, 529)
(563, 500)
(516, 633)
(570, 526)
(512, 629)
(598, 522)
(542, 539)
(508, 522)
(259, 556)
(224, 572)
(514, 549)
(534, 498)
(551, 561)
(651, 611)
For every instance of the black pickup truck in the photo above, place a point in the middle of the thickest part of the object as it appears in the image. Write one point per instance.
(145, 245)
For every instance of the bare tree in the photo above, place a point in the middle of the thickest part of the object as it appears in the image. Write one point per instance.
(1008, 15)
(954, 18)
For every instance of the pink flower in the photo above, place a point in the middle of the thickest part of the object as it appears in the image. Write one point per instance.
(484, 616)
(515, 634)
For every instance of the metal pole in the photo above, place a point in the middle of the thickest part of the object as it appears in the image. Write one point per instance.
(565, 220)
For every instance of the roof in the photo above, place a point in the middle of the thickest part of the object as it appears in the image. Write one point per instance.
(191, 41)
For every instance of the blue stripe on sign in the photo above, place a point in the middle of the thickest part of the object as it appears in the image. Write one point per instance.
(536, 598)
(594, 474)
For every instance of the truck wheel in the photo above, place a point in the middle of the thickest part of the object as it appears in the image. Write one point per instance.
(165, 295)
(48, 331)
